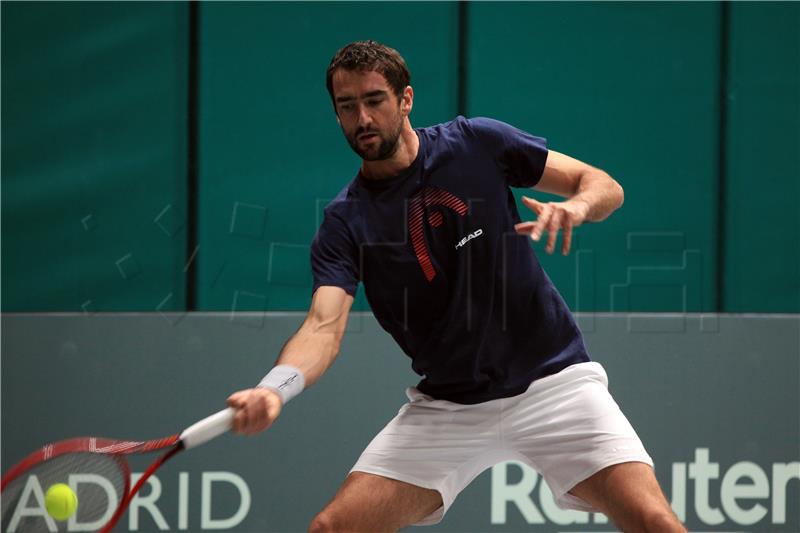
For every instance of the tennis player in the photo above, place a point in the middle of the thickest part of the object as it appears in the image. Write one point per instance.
(430, 227)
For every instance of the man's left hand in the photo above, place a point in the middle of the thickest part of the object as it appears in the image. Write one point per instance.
(552, 217)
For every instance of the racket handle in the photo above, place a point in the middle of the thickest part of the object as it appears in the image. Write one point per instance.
(208, 428)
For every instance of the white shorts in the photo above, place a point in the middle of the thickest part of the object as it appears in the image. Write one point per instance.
(565, 426)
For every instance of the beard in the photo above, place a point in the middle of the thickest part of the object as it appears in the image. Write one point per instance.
(388, 145)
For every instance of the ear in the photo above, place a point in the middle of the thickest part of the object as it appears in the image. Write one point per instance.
(407, 100)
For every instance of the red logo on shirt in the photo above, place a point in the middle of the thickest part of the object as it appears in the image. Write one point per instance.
(425, 200)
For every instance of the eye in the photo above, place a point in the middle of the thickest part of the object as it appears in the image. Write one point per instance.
(373, 102)
(346, 106)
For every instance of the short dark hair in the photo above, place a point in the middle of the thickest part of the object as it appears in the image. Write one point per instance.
(366, 56)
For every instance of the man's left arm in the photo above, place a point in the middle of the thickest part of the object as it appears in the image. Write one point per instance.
(592, 195)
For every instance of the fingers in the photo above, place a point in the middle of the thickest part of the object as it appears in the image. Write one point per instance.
(541, 223)
(566, 237)
(524, 228)
(552, 218)
(533, 205)
(553, 225)
(256, 410)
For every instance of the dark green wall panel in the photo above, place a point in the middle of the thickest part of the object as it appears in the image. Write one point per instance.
(94, 144)
(762, 244)
(631, 88)
(94, 113)
(272, 154)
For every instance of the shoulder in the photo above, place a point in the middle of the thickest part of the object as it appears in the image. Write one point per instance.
(462, 126)
(482, 124)
(490, 128)
(343, 216)
(453, 137)
(484, 130)
(343, 203)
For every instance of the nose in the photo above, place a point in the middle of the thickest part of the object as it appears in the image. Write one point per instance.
(364, 118)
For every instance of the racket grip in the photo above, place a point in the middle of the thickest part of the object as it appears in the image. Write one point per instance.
(208, 428)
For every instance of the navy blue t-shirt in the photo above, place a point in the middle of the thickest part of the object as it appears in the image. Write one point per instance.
(443, 269)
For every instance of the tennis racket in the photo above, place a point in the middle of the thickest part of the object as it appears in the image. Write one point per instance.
(96, 469)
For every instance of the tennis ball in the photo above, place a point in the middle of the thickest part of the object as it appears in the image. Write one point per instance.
(61, 501)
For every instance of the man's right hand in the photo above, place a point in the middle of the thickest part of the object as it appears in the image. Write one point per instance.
(256, 409)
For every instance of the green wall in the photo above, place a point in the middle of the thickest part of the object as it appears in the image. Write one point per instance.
(762, 217)
(93, 155)
(631, 88)
(95, 99)
(272, 154)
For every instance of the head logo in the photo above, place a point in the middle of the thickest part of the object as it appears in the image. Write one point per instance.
(420, 203)
(477, 233)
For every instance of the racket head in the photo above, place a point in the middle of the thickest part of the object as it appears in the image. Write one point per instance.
(94, 468)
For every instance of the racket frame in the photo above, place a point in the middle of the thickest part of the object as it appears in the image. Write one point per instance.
(195, 435)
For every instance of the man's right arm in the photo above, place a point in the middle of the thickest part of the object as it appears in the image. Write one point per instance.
(312, 350)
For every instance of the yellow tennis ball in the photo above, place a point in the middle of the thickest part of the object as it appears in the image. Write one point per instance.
(61, 501)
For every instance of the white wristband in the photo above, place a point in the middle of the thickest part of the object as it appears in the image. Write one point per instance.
(286, 380)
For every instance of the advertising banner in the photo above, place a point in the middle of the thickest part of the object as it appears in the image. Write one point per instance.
(715, 399)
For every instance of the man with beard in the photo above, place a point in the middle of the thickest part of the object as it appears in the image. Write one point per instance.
(430, 227)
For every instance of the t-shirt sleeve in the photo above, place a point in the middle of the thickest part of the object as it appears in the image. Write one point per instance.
(334, 258)
(521, 156)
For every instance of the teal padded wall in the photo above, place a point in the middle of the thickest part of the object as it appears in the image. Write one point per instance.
(272, 153)
(630, 88)
(93, 155)
(762, 217)
(95, 151)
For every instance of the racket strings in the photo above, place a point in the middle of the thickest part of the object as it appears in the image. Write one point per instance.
(99, 481)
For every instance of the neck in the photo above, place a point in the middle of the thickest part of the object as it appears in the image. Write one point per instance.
(406, 153)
